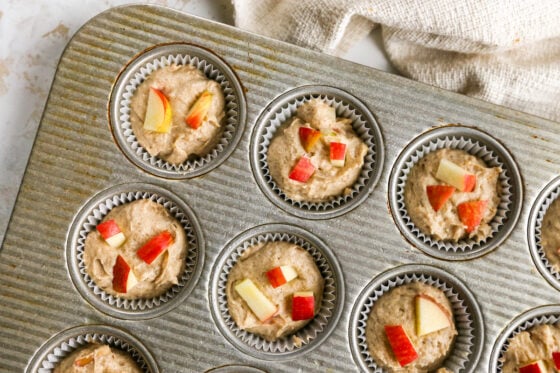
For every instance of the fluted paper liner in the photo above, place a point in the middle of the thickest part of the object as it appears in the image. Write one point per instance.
(312, 334)
(467, 346)
(493, 155)
(549, 314)
(214, 69)
(48, 356)
(92, 214)
(365, 127)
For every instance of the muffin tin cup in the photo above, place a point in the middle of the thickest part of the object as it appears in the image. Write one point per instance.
(484, 147)
(284, 107)
(93, 212)
(467, 346)
(235, 369)
(549, 314)
(311, 335)
(543, 201)
(53, 351)
(177, 54)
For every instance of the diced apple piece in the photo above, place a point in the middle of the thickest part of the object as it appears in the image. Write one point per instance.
(337, 153)
(158, 112)
(430, 315)
(534, 367)
(471, 213)
(438, 195)
(308, 137)
(278, 276)
(402, 347)
(199, 110)
(303, 170)
(303, 305)
(452, 174)
(556, 359)
(155, 246)
(111, 233)
(123, 277)
(82, 362)
(261, 306)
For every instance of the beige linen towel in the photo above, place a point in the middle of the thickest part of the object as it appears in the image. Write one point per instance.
(503, 51)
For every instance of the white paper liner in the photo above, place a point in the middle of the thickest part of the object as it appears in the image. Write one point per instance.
(462, 347)
(478, 150)
(528, 324)
(309, 331)
(94, 218)
(60, 351)
(361, 129)
(230, 124)
(553, 274)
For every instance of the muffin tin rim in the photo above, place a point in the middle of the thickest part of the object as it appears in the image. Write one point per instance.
(225, 254)
(72, 236)
(140, 59)
(466, 294)
(476, 134)
(274, 105)
(55, 340)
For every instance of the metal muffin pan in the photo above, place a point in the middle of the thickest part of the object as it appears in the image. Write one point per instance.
(76, 157)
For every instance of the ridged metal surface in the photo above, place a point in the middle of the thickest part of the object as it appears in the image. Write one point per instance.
(75, 157)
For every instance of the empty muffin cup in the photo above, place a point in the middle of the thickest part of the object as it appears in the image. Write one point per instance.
(213, 68)
(485, 148)
(467, 346)
(303, 340)
(364, 125)
(61, 345)
(89, 217)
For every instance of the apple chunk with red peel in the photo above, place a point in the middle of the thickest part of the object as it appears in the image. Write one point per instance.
(155, 246)
(259, 304)
(123, 277)
(402, 347)
(337, 153)
(303, 306)
(279, 276)
(471, 213)
(303, 170)
(534, 367)
(556, 359)
(158, 112)
(308, 137)
(199, 110)
(430, 315)
(111, 233)
(456, 176)
(438, 195)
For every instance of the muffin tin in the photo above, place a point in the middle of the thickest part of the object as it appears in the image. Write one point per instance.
(75, 157)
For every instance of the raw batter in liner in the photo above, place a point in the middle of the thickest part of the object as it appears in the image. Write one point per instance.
(139, 221)
(536, 343)
(397, 307)
(182, 85)
(254, 264)
(550, 238)
(445, 224)
(327, 181)
(103, 359)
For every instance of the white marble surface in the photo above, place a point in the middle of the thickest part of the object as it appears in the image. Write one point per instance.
(33, 34)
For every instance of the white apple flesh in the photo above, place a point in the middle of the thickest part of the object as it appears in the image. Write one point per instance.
(430, 315)
(456, 176)
(261, 306)
(116, 240)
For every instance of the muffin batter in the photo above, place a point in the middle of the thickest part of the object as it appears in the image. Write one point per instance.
(328, 181)
(254, 264)
(549, 234)
(397, 307)
(97, 358)
(536, 343)
(445, 224)
(182, 85)
(139, 221)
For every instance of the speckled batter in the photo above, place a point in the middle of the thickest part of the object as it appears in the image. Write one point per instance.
(96, 358)
(550, 238)
(536, 343)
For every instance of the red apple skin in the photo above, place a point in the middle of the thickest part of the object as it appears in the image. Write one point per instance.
(308, 137)
(303, 170)
(276, 277)
(470, 183)
(108, 229)
(402, 347)
(556, 359)
(155, 246)
(471, 213)
(438, 195)
(337, 153)
(303, 308)
(121, 271)
(534, 367)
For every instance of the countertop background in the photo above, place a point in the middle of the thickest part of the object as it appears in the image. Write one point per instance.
(33, 34)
